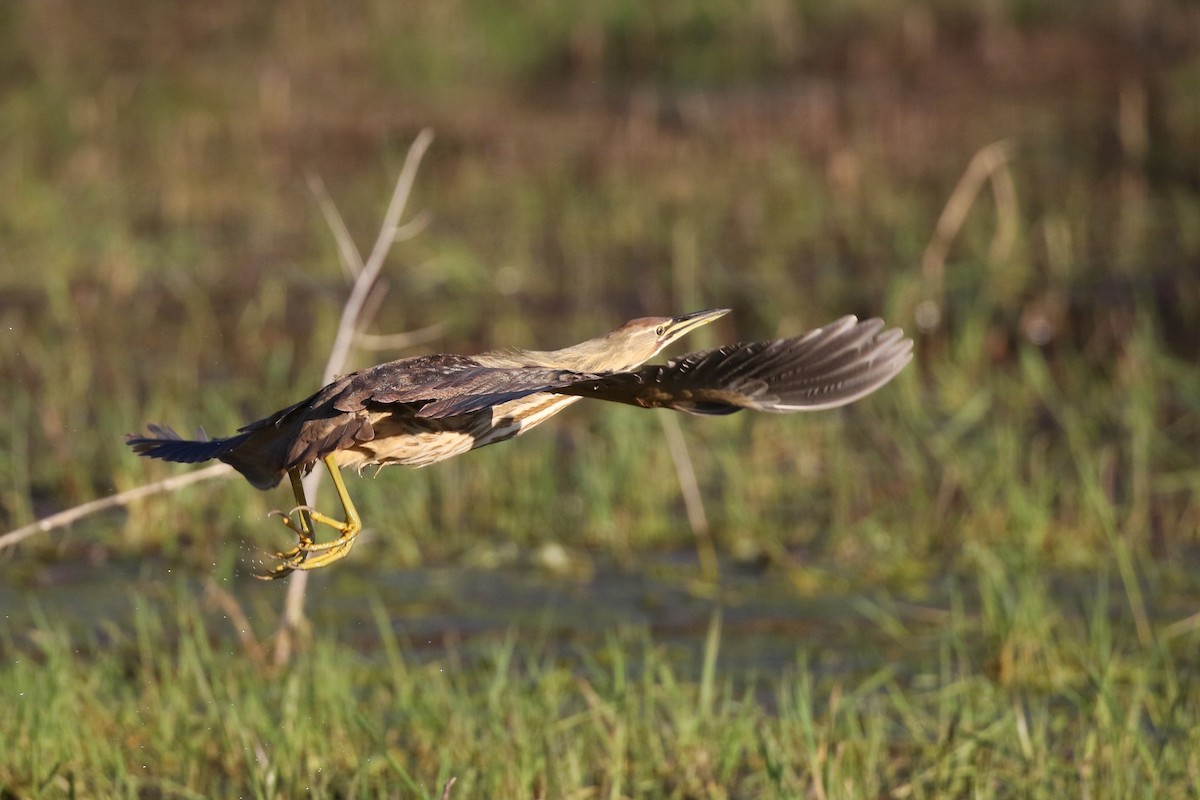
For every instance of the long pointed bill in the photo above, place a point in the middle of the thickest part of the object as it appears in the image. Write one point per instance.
(687, 323)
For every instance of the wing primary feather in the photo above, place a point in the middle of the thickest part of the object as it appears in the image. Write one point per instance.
(825, 368)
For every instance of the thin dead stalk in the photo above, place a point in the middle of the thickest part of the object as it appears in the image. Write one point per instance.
(64, 518)
(983, 165)
(989, 164)
(348, 255)
(399, 341)
(370, 271)
(364, 275)
(237, 617)
(693, 500)
(292, 619)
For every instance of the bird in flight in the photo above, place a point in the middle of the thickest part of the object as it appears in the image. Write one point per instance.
(418, 411)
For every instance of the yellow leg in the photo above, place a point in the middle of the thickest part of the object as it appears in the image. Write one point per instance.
(305, 531)
(349, 529)
(300, 556)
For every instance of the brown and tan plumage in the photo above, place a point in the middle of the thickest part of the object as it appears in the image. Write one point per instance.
(418, 411)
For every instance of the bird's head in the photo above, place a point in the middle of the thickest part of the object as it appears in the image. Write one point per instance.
(639, 340)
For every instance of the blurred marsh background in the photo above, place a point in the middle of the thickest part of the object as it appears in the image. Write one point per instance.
(995, 555)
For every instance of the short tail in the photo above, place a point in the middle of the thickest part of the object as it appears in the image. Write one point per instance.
(249, 458)
(166, 444)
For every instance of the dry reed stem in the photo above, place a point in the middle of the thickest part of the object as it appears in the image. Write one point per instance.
(693, 500)
(237, 617)
(983, 164)
(399, 341)
(365, 279)
(989, 163)
(348, 255)
(292, 619)
(70, 515)
(365, 275)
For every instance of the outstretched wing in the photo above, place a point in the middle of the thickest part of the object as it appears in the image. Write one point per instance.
(825, 368)
(436, 382)
(483, 387)
(442, 385)
(438, 385)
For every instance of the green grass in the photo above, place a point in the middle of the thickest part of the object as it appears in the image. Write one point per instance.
(161, 259)
(170, 708)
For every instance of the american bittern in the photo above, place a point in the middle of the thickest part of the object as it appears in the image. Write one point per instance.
(418, 411)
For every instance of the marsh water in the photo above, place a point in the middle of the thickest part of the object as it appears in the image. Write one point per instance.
(460, 614)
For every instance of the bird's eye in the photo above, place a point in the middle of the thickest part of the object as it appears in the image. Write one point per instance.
(660, 330)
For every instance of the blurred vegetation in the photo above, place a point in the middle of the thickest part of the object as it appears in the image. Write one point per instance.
(162, 258)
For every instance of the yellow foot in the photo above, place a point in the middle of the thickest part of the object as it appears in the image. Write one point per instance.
(301, 556)
(285, 567)
(302, 529)
(335, 551)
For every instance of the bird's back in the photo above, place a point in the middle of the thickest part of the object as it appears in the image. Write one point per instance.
(370, 417)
